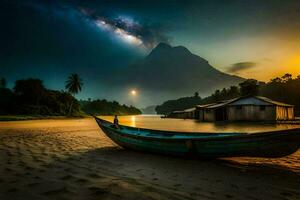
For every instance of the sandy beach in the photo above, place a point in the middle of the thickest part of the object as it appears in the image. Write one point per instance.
(73, 159)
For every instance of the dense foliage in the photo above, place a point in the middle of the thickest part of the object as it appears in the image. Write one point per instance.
(104, 107)
(30, 97)
(284, 89)
(178, 104)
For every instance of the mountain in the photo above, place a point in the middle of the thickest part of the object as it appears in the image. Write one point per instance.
(149, 110)
(170, 72)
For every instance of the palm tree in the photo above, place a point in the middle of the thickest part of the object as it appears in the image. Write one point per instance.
(73, 85)
(2, 83)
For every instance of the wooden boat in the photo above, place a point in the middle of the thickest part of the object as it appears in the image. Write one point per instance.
(205, 145)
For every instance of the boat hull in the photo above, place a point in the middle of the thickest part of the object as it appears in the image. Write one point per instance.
(269, 145)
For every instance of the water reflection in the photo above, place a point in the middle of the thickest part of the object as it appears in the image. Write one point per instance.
(133, 121)
(155, 122)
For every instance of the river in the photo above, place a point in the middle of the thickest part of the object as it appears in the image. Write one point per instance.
(291, 162)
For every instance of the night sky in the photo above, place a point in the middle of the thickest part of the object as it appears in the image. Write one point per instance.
(51, 39)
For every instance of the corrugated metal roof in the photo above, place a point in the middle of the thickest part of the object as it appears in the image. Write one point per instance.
(265, 99)
(205, 105)
(273, 102)
(184, 111)
(178, 111)
(224, 103)
(190, 109)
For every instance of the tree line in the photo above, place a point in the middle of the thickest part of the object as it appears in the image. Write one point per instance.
(31, 97)
(104, 107)
(178, 104)
(284, 89)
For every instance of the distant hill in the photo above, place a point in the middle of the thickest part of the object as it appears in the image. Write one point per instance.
(174, 72)
(150, 110)
(178, 104)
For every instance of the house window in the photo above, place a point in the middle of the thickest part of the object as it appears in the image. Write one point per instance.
(262, 108)
(238, 107)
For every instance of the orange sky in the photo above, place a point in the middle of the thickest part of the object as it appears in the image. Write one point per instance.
(274, 55)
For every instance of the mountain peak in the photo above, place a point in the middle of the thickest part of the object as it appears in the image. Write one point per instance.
(182, 49)
(166, 51)
(163, 49)
(177, 71)
(163, 45)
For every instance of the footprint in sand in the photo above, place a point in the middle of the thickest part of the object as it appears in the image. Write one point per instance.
(8, 169)
(69, 170)
(93, 175)
(286, 194)
(12, 190)
(32, 184)
(57, 191)
(42, 170)
(37, 177)
(197, 188)
(82, 180)
(67, 177)
(228, 196)
(28, 168)
(251, 188)
(27, 174)
(98, 190)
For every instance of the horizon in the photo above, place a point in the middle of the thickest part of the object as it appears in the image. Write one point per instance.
(49, 41)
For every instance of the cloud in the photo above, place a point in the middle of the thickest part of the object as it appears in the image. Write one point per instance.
(241, 66)
(131, 31)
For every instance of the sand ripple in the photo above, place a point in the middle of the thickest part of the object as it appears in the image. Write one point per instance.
(72, 159)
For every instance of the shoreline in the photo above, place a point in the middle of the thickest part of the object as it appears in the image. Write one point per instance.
(6, 118)
(73, 159)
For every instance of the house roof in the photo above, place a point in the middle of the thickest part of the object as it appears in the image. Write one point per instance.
(178, 111)
(184, 111)
(205, 105)
(190, 109)
(217, 104)
(223, 103)
(264, 99)
(273, 102)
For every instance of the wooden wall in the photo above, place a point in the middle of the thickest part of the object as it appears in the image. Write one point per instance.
(284, 113)
(251, 113)
(209, 116)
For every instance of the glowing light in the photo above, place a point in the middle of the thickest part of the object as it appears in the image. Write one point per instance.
(133, 92)
(133, 121)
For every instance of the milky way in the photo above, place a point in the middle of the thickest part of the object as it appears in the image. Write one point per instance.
(128, 30)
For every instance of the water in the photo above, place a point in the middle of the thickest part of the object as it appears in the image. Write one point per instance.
(291, 163)
(189, 125)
